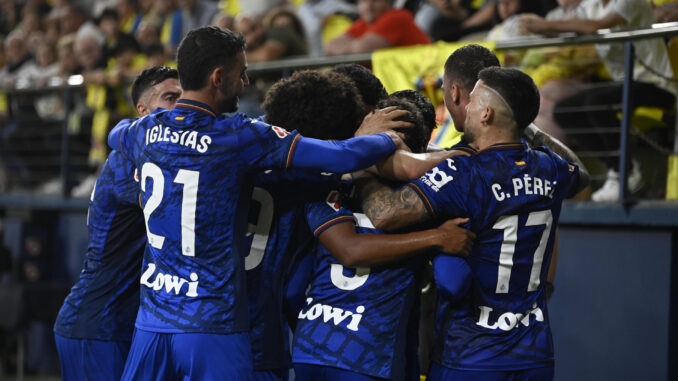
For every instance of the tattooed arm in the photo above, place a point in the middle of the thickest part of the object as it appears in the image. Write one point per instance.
(388, 208)
(536, 137)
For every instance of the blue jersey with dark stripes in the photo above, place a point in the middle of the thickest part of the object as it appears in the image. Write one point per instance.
(277, 236)
(360, 319)
(194, 170)
(104, 301)
(192, 167)
(513, 197)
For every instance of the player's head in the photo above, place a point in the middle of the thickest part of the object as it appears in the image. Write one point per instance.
(461, 73)
(156, 87)
(504, 98)
(318, 105)
(414, 137)
(213, 59)
(369, 86)
(424, 105)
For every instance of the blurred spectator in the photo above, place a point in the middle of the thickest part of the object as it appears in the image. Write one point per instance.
(380, 26)
(258, 8)
(89, 51)
(667, 12)
(71, 19)
(313, 15)
(45, 65)
(19, 59)
(9, 16)
(68, 63)
(448, 13)
(126, 64)
(224, 21)
(155, 55)
(196, 13)
(597, 106)
(130, 18)
(507, 28)
(109, 24)
(148, 34)
(272, 42)
(169, 17)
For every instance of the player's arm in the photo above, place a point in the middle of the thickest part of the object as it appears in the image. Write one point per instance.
(374, 141)
(404, 165)
(354, 249)
(453, 277)
(536, 137)
(119, 138)
(390, 209)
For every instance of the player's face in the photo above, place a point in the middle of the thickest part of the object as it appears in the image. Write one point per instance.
(457, 112)
(165, 94)
(232, 85)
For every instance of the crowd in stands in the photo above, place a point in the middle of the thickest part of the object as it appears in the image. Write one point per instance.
(109, 43)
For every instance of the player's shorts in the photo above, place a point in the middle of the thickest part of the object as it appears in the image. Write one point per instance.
(309, 372)
(85, 359)
(441, 373)
(272, 375)
(192, 356)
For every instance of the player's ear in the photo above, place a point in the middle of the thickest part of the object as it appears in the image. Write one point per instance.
(142, 109)
(216, 76)
(455, 93)
(486, 115)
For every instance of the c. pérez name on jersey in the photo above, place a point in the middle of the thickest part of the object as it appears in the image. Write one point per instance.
(337, 315)
(526, 185)
(190, 139)
(169, 282)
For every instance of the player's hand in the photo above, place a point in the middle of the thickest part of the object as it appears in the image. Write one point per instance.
(456, 240)
(382, 120)
(530, 23)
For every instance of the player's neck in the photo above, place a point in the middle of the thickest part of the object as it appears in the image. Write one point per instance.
(200, 96)
(492, 137)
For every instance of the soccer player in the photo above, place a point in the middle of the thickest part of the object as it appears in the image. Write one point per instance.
(194, 165)
(94, 327)
(513, 196)
(332, 110)
(360, 318)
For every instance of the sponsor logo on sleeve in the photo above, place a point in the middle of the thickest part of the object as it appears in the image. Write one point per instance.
(333, 199)
(281, 132)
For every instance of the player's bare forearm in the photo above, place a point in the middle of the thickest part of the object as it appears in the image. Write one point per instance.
(390, 209)
(536, 137)
(353, 249)
(406, 166)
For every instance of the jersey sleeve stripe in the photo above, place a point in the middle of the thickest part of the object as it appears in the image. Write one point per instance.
(332, 222)
(290, 153)
(423, 197)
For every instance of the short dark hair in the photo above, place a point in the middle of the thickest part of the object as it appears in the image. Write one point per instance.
(318, 105)
(424, 105)
(414, 136)
(149, 78)
(369, 86)
(204, 49)
(518, 90)
(464, 64)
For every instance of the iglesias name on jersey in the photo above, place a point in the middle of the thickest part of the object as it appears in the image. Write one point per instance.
(104, 301)
(193, 165)
(357, 319)
(277, 235)
(513, 197)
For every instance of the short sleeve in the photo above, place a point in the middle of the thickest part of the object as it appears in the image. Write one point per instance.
(322, 215)
(444, 188)
(572, 177)
(266, 146)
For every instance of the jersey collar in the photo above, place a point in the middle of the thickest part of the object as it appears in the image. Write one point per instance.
(195, 106)
(505, 146)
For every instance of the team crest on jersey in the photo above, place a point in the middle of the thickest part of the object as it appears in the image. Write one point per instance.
(281, 132)
(333, 200)
(570, 167)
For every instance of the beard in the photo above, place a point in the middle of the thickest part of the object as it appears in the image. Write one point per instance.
(228, 102)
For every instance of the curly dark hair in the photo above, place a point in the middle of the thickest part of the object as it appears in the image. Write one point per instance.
(415, 136)
(369, 86)
(318, 105)
(424, 105)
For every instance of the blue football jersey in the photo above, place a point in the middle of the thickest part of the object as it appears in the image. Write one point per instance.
(359, 319)
(193, 167)
(277, 235)
(513, 196)
(104, 302)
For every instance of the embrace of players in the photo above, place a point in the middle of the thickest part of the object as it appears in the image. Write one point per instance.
(212, 234)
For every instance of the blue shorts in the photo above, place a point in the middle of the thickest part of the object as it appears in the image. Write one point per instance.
(85, 359)
(309, 372)
(192, 356)
(441, 373)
